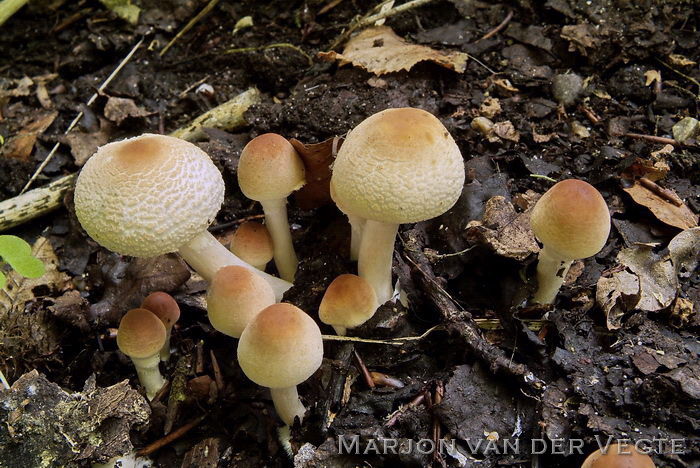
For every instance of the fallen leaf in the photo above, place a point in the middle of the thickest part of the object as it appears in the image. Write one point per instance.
(680, 60)
(505, 84)
(123, 9)
(658, 283)
(83, 144)
(490, 107)
(21, 145)
(317, 162)
(581, 37)
(665, 211)
(119, 109)
(616, 295)
(652, 76)
(22, 88)
(506, 130)
(379, 50)
(684, 250)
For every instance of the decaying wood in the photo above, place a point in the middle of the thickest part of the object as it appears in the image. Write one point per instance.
(40, 201)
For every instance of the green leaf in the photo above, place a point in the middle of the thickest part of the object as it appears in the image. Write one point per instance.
(2, 280)
(18, 254)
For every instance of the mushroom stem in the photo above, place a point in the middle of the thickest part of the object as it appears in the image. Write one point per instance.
(165, 350)
(551, 271)
(206, 255)
(376, 255)
(287, 404)
(278, 226)
(357, 225)
(149, 374)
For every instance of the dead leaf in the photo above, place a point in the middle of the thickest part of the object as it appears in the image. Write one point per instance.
(21, 145)
(617, 295)
(379, 50)
(83, 144)
(684, 250)
(506, 130)
(680, 60)
(490, 107)
(119, 109)
(505, 84)
(317, 162)
(22, 88)
(581, 37)
(665, 211)
(658, 283)
(651, 77)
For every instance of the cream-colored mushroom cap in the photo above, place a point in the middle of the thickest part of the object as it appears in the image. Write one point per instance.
(571, 219)
(270, 168)
(398, 166)
(236, 295)
(141, 334)
(148, 195)
(281, 347)
(348, 302)
(629, 458)
(252, 243)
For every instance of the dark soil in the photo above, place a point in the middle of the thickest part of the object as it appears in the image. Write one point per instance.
(525, 375)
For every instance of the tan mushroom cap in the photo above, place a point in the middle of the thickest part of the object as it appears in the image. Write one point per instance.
(614, 459)
(148, 195)
(398, 166)
(252, 243)
(163, 306)
(236, 295)
(281, 347)
(571, 219)
(348, 302)
(270, 168)
(141, 334)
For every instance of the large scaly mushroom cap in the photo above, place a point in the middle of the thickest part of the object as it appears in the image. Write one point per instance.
(148, 195)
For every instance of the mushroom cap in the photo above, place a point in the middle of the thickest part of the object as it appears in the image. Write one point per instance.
(252, 243)
(348, 302)
(163, 306)
(148, 195)
(270, 168)
(571, 219)
(236, 295)
(398, 166)
(281, 347)
(614, 459)
(141, 334)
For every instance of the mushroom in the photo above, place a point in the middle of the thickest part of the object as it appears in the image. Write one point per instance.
(397, 166)
(166, 309)
(618, 457)
(141, 336)
(348, 302)
(252, 243)
(357, 224)
(154, 194)
(572, 222)
(235, 297)
(280, 348)
(269, 170)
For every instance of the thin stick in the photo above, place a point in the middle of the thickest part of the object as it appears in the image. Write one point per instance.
(498, 28)
(4, 381)
(81, 113)
(363, 369)
(654, 139)
(176, 434)
(660, 191)
(189, 25)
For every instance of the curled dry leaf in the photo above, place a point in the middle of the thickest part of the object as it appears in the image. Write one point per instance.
(684, 250)
(317, 162)
(21, 145)
(664, 210)
(118, 109)
(616, 295)
(379, 50)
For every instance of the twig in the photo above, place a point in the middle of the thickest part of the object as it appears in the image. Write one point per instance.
(498, 28)
(177, 392)
(189, 25)
(9, 8)
(654, 139)
(660, 191)
(176, 434)
(363, 369)
(279, 45)
(217, 373)
(4, 381)
(689, 78)
(81, 113)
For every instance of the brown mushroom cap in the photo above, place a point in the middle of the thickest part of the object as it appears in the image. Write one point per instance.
(148, 195)
(270, 168)
(281, 347)
(252, 243)
(571, 219)
(348, 302)
(398, 166)
(141, 334)
(163, 306)
(236, 295)
(613, 459)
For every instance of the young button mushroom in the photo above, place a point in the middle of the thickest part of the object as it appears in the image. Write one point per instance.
(154, 194)
(280, 348)
(252, 243)
(269, 170)
(141, 336)
(397, 166)
(572, 222)
(618, 457)
(166, 309)
(235, 297)
(348, 302)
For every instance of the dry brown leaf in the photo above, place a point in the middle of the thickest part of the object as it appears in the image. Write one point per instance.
(21, 145)
(680, 60)
(616, 295)
(658, 283)
(506, 130)
(119, 109)
(379, 50)
(317, 162)
(665, 211)
(684, 250)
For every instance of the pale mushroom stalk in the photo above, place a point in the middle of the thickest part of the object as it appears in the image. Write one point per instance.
(551, 271)
(149, 374)
(357, 226)
(278, 226)
(287, 404)
(206, 255)
(376, 255)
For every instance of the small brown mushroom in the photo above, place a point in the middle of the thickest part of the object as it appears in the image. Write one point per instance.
(252, 243)
(166, 309)
(617, 456)
(348, 302)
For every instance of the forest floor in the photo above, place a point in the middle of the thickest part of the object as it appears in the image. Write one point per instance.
(604, 91)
